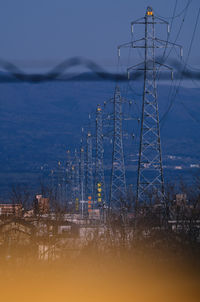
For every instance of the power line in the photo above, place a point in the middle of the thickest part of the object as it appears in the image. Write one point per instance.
(179, 14)
(189, 51)
(172, 86)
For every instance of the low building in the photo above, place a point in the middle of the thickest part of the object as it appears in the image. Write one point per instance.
(42, 204)
(7, 209)
(17, 239)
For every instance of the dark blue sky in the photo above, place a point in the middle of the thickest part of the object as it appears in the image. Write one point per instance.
(43, 32)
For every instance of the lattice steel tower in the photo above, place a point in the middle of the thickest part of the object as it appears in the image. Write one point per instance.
(69, 177)
(61, 184)
(150, 181)
(76, 181)
(100, 189)
(82, 171)
(118, 193)
(89, 166)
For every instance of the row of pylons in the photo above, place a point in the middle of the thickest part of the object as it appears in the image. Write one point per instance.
(84, 182)
(80, 182)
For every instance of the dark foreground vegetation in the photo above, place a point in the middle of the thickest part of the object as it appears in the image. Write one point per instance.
(147, 252)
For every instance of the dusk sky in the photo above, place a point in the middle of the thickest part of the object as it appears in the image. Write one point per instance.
(41, 33)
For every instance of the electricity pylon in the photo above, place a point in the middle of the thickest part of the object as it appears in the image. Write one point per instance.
(61, 184)
(69, 178)
(82, 171)
(89, 166)
(76, 180)
(73, 172)
(150, 180)
(100, 189)
(118, 193)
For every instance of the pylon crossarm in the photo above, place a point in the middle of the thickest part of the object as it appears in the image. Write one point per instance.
(136, 21)
(164, 65)
(161, 44)
(129, 44)
(162, 20)
(150, 22)
(133, 67)
(141, 69)
(167, 43)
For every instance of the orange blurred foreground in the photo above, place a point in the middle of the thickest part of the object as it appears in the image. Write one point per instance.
(89, 278)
